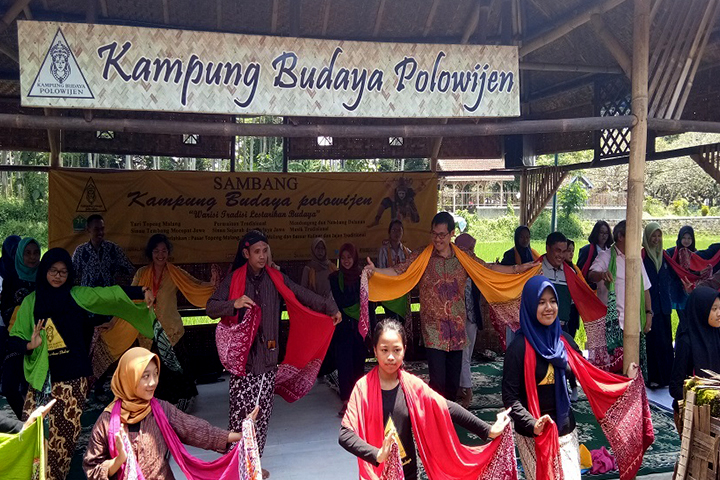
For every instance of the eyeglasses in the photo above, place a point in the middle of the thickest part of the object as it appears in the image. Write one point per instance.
(441, 236)
(58, 273)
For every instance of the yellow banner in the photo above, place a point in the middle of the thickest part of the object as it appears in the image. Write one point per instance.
(205, 214)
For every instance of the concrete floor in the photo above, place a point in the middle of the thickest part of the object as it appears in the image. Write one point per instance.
(302, 441)
(303, 438)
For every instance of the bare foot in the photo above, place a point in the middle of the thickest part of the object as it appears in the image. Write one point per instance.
(265, 473)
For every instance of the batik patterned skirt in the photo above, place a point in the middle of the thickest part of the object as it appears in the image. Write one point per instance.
(244, 394)
(569, 455)
(64, 421)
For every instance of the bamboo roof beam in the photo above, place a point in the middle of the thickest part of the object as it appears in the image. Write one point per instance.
(684, 85)
(566, 26)
(166, 11)
(12, 13)
(612, 43)
(430, 18)
(326, 17)
(563, 67)
(175, 127)
(696, 65)
(103, 8)
(470, 27)
(379, 18)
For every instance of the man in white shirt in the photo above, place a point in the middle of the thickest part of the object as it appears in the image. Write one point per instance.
(599, 274)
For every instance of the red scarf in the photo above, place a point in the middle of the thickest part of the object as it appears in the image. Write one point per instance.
(619, 404)
(441, 452)
(593, 312)
(697, 265)
(310, 335)
(589, 261)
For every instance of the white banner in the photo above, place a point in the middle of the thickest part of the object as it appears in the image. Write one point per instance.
(73, 65)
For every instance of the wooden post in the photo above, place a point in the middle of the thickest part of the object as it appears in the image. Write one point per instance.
(636, 183)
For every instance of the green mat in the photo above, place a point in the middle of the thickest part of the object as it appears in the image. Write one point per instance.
(487, 401)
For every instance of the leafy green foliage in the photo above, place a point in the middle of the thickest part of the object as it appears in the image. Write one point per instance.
(571, 198)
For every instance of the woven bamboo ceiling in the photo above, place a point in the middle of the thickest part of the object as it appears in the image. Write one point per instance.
(685, 43)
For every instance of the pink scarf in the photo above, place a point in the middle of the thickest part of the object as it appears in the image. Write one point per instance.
(442, 454)
(242, 462)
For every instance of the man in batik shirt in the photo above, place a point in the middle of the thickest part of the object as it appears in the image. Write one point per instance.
(99, 261)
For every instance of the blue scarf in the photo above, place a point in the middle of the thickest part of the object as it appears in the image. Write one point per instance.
(545, 341)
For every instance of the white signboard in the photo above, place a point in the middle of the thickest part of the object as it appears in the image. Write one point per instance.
(73, 65)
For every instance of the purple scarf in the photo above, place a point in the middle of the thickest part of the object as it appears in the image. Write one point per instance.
(242, 462)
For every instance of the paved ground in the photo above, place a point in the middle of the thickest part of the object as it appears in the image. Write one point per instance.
(302, 443)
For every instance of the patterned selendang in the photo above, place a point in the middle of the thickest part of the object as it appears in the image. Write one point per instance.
(597, 349)
(293, 383)
(249, 465)
(165, 349)
(393, 469)
(628, 428)
(504, 314)
(503, 463)
(613, 332)
(64, 423)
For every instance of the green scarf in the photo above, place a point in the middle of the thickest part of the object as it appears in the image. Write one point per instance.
(23, 454)
(399, 305)
(111, 301)
(353, 311)
(24, 272)
(655, 254)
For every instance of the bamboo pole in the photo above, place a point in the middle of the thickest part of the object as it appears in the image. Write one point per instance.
(559, 30)
(697, 61)
(636, 183)
(173, 127)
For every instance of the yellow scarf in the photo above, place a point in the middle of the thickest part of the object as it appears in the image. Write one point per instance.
(121, 335)
(496, 287)
(196, 294)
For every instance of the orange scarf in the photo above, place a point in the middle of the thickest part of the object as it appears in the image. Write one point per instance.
(518, 260)
(501, 290)
(196, 294)
(496, 287)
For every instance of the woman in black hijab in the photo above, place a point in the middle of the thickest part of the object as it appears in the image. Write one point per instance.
(521, 252)
(697, 347)
(61, 355)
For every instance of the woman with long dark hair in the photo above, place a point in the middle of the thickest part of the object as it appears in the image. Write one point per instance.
(600, 239)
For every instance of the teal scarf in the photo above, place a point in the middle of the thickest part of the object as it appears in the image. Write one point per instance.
(24, 272)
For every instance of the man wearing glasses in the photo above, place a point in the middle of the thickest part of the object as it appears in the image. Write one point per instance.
(442, 304)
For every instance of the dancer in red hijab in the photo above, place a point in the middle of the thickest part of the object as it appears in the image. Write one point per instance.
(390, 410)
